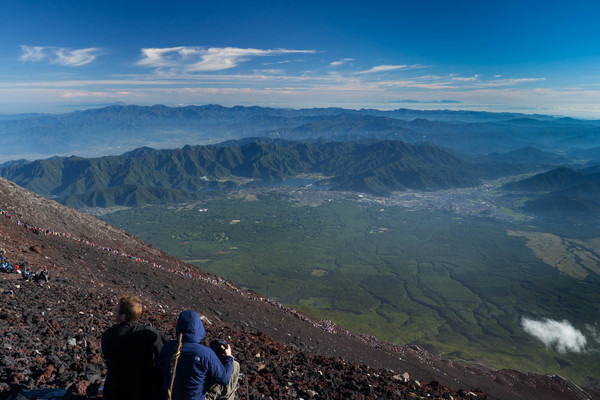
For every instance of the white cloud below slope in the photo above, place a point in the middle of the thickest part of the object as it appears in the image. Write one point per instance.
(560, 334)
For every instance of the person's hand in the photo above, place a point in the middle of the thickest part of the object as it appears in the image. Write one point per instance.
(228, 350)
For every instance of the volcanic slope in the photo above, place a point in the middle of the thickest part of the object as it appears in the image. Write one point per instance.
(50, 333)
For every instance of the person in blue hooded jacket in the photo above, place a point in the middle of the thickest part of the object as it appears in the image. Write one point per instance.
(189, 368)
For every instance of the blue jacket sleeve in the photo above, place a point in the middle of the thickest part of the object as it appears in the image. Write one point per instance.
(221, 372)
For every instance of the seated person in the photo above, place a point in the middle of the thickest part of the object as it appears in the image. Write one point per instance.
(217, 391)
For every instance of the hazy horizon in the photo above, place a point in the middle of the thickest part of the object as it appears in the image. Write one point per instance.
(64, 109)
(469, 55)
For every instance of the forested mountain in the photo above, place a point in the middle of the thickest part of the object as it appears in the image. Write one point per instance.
(577, 200)
(556, 179)
(150, 176)
(562, 192)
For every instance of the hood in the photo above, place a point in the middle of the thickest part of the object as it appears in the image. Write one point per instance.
(190, 325)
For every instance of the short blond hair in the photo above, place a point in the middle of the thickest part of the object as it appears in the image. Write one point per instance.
(131, 307)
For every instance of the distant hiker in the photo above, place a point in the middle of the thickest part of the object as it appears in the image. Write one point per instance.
(131, 351)
(217, 391)
(45, 275)
(189, 368)
(25, 271)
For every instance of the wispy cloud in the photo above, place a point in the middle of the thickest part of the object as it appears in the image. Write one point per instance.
(466, 79)
(59, 55)
(270, 71)
(509, 82)
(200, 59)
(561, 334)
(382, 68)
(341, 62)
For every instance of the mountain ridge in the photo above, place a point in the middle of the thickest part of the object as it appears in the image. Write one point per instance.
(366, 166)
(555, 179)
(561, 192)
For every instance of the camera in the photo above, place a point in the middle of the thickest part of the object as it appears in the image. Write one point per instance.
(219, 346)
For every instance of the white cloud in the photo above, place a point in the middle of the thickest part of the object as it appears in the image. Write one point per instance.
(466, 79)
(32, 53)
(382, 68)
(75, 58)
(341, 62)
(509, 82)
(199, 59)
(60, 56)
(163, 57)
(270, 71)
(561, 334)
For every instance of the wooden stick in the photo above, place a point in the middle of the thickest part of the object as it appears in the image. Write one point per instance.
(174, 361)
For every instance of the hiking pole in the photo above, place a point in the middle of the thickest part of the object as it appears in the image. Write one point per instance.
(174, 361)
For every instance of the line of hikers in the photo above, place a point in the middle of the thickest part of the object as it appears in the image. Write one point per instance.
(141, 364)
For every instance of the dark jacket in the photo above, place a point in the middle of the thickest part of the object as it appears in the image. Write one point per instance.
(197, 367)
(131, 352)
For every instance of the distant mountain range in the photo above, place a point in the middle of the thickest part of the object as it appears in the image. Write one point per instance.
(365, 150)
(120, 128)
(147, 175)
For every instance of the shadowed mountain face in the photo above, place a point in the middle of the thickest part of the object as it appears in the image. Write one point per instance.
(557, 179)
(51, 332)
(582, 199)
(562, 193)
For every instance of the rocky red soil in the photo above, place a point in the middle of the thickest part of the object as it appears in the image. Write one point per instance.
(50, 332)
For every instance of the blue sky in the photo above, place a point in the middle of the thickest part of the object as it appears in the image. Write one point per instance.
(524, 56)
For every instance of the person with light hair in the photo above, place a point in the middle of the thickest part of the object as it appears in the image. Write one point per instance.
(131, 351)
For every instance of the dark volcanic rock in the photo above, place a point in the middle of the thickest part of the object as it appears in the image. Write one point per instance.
(50, 332)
